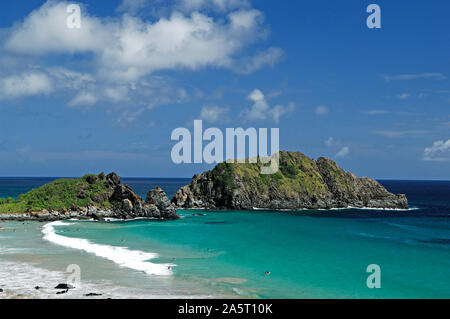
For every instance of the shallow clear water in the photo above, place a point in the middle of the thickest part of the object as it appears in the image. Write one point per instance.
(310, 254)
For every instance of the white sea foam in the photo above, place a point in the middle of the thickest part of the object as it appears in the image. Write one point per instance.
(117, 220)
(4, 250)
(388, 209)
(122, 256)
(279, 210)
(342, 208)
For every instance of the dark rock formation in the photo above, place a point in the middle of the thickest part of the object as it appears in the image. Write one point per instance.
(92, 179)
(158, 198)
(64, 286)
(300, 183)
(113, 179)
(82, 194)
(131, 205)
(122, 192)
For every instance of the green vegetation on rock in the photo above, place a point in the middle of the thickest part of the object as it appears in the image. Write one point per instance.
(297, 174)
(223, 174)
(64, 194)
(300, 182)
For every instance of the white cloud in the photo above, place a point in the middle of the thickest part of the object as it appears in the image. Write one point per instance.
(69, 79)
(343, 152)
(438, 152)
(26, 84)
(129, 48)
(279, 110)
(120, 56)
(145, 96)
(261, 110)
(322, 110)
(45, 31)
(404, 77)
(269, 57)
(213, 113)
(85, 91)
(334, 144)
(83, 99)
(116, 94)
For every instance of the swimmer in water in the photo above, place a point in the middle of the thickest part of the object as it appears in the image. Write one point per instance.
(267, 273)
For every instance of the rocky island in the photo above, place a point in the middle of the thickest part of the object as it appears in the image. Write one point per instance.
(300, 183)
(90, 197)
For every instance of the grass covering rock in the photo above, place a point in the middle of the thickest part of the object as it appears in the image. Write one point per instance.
(91, 196)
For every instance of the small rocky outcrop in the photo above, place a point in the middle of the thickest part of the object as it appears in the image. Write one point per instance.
(300, 183)
(112, 178)
(158, 198)
(129, 205)
(64, 286)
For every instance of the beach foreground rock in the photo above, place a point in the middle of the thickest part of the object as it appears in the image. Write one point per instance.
(300, 183)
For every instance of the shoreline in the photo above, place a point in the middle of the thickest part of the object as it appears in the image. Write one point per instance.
(43, 282)
(109, 279)
(98, 214)
(90, 213)
(27, 274)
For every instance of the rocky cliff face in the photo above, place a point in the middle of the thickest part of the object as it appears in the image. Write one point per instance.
(129, 205)
(125, 203)
(301, 183)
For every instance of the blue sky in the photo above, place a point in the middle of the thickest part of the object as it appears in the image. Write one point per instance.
(107, 97)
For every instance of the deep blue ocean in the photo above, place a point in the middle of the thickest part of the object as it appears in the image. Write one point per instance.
(309, 254)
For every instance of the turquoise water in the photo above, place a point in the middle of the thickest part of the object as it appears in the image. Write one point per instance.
(307, 257)
(309, 254)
